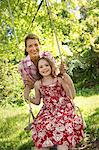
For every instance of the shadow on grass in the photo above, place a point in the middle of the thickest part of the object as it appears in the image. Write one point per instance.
(12, 125)
(5, 145)
(12, 134)
(92, 130)
(26, 146)
(93, 125)
(13, 145)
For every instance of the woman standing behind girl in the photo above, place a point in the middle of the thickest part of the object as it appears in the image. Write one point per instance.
(56, 123)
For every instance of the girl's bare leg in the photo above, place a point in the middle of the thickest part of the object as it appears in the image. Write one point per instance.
(62, 147)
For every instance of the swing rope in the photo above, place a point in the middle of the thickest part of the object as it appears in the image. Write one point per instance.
(12, 21)
(53, 27)
(52, 24)
(55, 33)
(35, 15)
(28, 127)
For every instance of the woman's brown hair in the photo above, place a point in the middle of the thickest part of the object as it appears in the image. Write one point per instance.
(30, 36)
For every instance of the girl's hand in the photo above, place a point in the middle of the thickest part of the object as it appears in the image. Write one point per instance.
(53, 71)
(63, 68)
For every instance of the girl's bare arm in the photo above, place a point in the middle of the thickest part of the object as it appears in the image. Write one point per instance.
(36, 100)
(66, 88)
(69, 82)
(67, 79)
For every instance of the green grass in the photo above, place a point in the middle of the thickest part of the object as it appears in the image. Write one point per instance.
(14, 119)
(87, 104)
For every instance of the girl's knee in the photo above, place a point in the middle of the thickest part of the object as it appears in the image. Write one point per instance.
(62, 147)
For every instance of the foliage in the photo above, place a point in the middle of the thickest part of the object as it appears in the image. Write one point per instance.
(12, 126)
(76, 25)
(93, 126)
(88, 72)
(11, 85)
(88, 91)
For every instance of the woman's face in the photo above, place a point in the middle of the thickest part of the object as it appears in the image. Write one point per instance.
(33, 48)
(44, 68)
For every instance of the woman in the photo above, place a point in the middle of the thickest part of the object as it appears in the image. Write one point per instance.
(28, 66)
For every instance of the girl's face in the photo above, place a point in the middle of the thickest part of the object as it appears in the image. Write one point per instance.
(44, 68)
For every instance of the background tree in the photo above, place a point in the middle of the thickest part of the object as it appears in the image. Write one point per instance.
(76, 25)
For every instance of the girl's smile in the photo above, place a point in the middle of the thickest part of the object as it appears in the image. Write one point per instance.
(44, 68)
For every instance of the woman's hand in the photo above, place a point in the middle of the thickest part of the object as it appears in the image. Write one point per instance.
(29, 81)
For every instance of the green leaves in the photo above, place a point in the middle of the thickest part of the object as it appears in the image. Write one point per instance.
(76, 26)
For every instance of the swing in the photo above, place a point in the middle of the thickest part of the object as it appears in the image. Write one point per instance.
(77, 109)
(28, 128)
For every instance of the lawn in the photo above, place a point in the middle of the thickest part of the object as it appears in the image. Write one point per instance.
(13, 119)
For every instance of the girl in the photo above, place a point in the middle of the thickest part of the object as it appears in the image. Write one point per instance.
(56, 123)
(28, 66)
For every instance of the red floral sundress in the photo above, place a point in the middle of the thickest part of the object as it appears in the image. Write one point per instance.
(56, 123)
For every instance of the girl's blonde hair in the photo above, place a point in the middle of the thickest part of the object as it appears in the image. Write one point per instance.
(52, 65)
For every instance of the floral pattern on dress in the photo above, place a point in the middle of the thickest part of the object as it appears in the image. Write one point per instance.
(56, 123)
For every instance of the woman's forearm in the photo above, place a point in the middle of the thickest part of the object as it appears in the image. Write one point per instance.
(27, 90)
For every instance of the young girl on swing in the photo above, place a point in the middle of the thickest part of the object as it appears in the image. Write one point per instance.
(56, 123)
